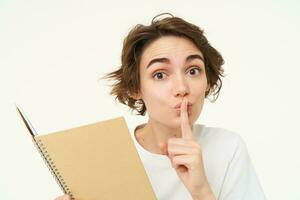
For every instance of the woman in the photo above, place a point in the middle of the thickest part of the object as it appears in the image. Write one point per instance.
(168, 69)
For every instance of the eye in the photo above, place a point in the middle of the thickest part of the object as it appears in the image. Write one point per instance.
(194, 71)
(159, 75)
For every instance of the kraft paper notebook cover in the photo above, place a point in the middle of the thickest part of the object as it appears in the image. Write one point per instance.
(95, 162)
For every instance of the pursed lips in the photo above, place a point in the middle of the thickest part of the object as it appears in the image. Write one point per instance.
(179, 104)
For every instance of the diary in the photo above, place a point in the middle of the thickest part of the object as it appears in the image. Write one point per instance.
(97, 161)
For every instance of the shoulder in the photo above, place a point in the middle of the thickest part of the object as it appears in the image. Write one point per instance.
(215, 134)
(219, 139)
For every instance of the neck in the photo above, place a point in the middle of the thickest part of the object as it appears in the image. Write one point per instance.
(154, 136)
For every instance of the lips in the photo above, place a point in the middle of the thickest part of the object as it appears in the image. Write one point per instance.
(179, 104)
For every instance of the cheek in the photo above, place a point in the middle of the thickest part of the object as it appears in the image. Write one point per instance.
(199, 96)
(155, 97)
(198, 89)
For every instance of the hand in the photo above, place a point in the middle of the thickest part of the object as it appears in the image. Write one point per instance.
(186, 157)
(63, 197)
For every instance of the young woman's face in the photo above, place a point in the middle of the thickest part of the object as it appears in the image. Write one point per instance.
(172, 68)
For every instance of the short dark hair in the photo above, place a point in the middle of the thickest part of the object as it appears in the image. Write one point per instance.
(127, 77)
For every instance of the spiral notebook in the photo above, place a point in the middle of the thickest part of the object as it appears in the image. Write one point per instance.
(94, 162)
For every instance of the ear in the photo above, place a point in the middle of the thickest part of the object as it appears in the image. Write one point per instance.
(136, 96)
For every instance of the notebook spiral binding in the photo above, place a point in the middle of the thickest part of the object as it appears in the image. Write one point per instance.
(53, 169)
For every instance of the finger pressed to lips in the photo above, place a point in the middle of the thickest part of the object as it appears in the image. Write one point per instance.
(185, 107)
(184, 118)
(178, 111)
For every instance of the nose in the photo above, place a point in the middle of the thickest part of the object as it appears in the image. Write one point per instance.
(180, 86)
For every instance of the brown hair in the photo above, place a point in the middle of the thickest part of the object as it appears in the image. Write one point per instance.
(127, 77)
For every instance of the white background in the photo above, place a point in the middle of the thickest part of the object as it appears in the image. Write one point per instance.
(53, 52)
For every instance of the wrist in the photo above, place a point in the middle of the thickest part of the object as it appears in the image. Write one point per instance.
(204, 194)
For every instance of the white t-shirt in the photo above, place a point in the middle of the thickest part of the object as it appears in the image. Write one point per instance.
(227, 164)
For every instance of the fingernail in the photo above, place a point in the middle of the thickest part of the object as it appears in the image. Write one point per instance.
(183, 102)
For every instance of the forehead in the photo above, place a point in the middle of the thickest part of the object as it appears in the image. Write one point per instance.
(172, 47)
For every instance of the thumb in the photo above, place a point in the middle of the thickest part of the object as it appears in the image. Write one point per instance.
(164, 149)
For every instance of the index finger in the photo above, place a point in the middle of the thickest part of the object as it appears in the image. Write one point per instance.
(186, 130)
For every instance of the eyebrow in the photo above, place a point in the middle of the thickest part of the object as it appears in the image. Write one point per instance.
(166, 60)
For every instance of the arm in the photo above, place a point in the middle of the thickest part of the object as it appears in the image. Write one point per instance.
(185, 154)
(241, 181)
(205, 194)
